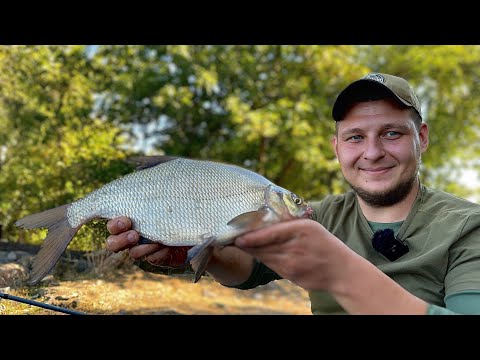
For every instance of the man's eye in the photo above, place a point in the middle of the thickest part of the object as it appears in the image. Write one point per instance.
(392, 134)
(355, 138)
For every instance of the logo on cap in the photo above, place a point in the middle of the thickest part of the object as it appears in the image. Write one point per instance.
(376, 77)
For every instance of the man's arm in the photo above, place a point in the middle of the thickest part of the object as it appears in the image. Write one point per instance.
(230, 266)
(304, 252)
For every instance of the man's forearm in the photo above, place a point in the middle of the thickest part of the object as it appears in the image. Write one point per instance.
(230, 266)
(364, 289)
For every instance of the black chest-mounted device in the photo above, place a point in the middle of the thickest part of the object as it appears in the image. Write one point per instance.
(385, 242)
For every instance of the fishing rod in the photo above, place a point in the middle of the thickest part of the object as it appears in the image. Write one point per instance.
(40, 304)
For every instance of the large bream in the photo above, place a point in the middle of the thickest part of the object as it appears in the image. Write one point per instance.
(173, 201)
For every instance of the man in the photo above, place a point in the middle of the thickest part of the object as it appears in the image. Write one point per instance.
(388, 246)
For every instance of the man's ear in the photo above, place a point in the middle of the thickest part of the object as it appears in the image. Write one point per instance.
(334, 144)
(423, 135)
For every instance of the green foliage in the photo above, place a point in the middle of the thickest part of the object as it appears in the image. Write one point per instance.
(69, 115)
(263, 107)
(54, 151)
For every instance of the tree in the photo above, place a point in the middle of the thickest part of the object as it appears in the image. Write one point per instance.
(53, 150)
(70, 114)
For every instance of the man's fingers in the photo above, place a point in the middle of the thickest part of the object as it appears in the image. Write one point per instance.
(270, 235)
(117, 225)
(122, 241)
(174, 256)
(158, 257)
(140, 251)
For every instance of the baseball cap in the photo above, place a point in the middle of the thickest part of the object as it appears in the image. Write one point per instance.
(395, 87)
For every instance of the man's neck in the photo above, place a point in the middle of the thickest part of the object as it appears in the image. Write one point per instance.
(390, 214)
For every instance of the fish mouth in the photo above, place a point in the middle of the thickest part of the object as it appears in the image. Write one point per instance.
(308, 212)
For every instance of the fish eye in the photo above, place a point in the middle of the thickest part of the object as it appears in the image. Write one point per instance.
(296, 199)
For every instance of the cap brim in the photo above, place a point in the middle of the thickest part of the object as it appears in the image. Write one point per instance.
(346, 98)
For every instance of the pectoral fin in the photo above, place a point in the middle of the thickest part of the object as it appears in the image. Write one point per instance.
(251, 220)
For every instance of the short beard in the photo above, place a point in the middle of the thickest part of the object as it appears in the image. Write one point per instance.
(387, 198)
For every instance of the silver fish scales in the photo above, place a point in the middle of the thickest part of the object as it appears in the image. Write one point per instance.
(176, 202)
(173, 201)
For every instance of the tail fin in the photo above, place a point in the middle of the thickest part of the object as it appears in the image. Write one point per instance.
(60, 233)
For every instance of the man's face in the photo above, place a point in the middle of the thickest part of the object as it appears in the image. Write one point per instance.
(379, 151)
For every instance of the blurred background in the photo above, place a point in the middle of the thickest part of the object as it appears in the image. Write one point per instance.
(69, 115)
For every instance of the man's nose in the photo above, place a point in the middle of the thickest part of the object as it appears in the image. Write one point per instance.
(373, 149)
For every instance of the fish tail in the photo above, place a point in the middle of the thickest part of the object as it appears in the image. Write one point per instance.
(200, 255)
(60, 233)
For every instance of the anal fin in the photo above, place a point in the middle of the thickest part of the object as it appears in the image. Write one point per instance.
(200, 255)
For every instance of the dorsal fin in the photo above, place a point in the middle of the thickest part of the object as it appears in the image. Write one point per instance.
(145, 162)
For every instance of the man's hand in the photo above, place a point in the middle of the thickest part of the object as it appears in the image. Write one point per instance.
(156, 254)
(302, 251)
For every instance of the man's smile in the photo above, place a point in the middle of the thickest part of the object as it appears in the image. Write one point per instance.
(376, 170)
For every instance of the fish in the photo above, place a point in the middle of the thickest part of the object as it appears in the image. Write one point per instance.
(175, 201)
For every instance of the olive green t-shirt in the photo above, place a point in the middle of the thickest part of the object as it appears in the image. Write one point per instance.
(442, 232)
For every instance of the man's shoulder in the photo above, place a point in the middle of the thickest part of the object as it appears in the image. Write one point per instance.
(439, 200)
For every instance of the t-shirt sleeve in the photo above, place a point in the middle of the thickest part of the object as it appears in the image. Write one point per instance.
(438, 310)
(465, 302)
(464, 259)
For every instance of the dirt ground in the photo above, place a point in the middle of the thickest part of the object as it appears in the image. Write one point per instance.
(136, 292)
